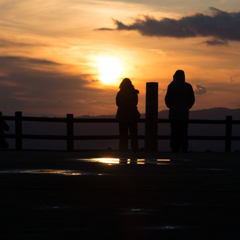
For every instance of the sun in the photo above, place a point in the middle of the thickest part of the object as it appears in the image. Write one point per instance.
(110, 69)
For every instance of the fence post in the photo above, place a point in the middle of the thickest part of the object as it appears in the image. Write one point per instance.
(70, 143)
(18, 131)
(228, 133)
(151, 118)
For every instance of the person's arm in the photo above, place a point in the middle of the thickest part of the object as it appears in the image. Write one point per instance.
(168, 98)
(136, 98)
(117, 101)
(192, 97)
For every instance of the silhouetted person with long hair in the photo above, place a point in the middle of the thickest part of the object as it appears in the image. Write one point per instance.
(127, 115)
(3, 127)
(179, 99)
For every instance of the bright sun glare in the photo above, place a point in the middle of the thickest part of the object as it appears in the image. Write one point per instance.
(110, 69)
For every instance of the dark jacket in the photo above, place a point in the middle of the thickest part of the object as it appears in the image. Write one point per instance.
(179, 98)
(127, 105)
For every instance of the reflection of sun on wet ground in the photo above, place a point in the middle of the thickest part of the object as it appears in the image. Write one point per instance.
(111, 161)
(165, 227)
(49, 171)
(103, 160)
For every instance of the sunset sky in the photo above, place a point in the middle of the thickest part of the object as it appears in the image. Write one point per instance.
(69, 56)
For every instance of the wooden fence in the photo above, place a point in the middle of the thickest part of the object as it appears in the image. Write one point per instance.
(70, 120)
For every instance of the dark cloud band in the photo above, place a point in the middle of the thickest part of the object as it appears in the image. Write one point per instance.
(221, 25)
(16, 60)
(27, 82)
(216, 41)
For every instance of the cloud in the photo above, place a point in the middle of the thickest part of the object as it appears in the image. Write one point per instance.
(36, 79)
(200, 90)
(34, 85)
(221, 25)
(17, 60)
(95, 80)
(8, 44)
(215, 42)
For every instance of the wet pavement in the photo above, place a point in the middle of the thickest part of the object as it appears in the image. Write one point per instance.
(162, 196)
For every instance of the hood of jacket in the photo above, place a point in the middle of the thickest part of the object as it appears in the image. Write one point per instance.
(179, 76)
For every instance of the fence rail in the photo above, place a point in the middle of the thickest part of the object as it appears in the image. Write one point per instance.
(70, 137)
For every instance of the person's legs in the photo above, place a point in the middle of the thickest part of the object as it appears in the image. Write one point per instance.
(174, 140)
(133, 128)
(123, 136)
(184, 135)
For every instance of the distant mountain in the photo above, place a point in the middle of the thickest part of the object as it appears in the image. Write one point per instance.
(211, 113)
(215, 113)
(99, 116)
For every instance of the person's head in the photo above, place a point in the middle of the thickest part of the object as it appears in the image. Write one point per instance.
(0, 113)
(179, 76)
(126, 84)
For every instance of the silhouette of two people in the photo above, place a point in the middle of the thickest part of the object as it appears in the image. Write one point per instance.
(179, 99)
(3, 127)
(127, 115)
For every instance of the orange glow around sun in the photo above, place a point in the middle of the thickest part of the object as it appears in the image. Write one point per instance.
(109, 68)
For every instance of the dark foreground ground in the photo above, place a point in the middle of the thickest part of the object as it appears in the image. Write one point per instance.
(192, 196)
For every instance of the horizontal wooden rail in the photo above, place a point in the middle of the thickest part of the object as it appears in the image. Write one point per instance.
(110, 120)
(109, 137)
(70, 137)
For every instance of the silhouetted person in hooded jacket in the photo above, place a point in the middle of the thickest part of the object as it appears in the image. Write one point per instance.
(179, 99)
(127, 115)
(3, 127)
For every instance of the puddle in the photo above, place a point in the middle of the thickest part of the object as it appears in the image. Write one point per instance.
(142, 161)
(49, 171)
(111, 161)
(165, 227)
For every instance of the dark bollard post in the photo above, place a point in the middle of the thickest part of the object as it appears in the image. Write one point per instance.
(18, 131)
(151, 118)
(228, 134)
(70, 143)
